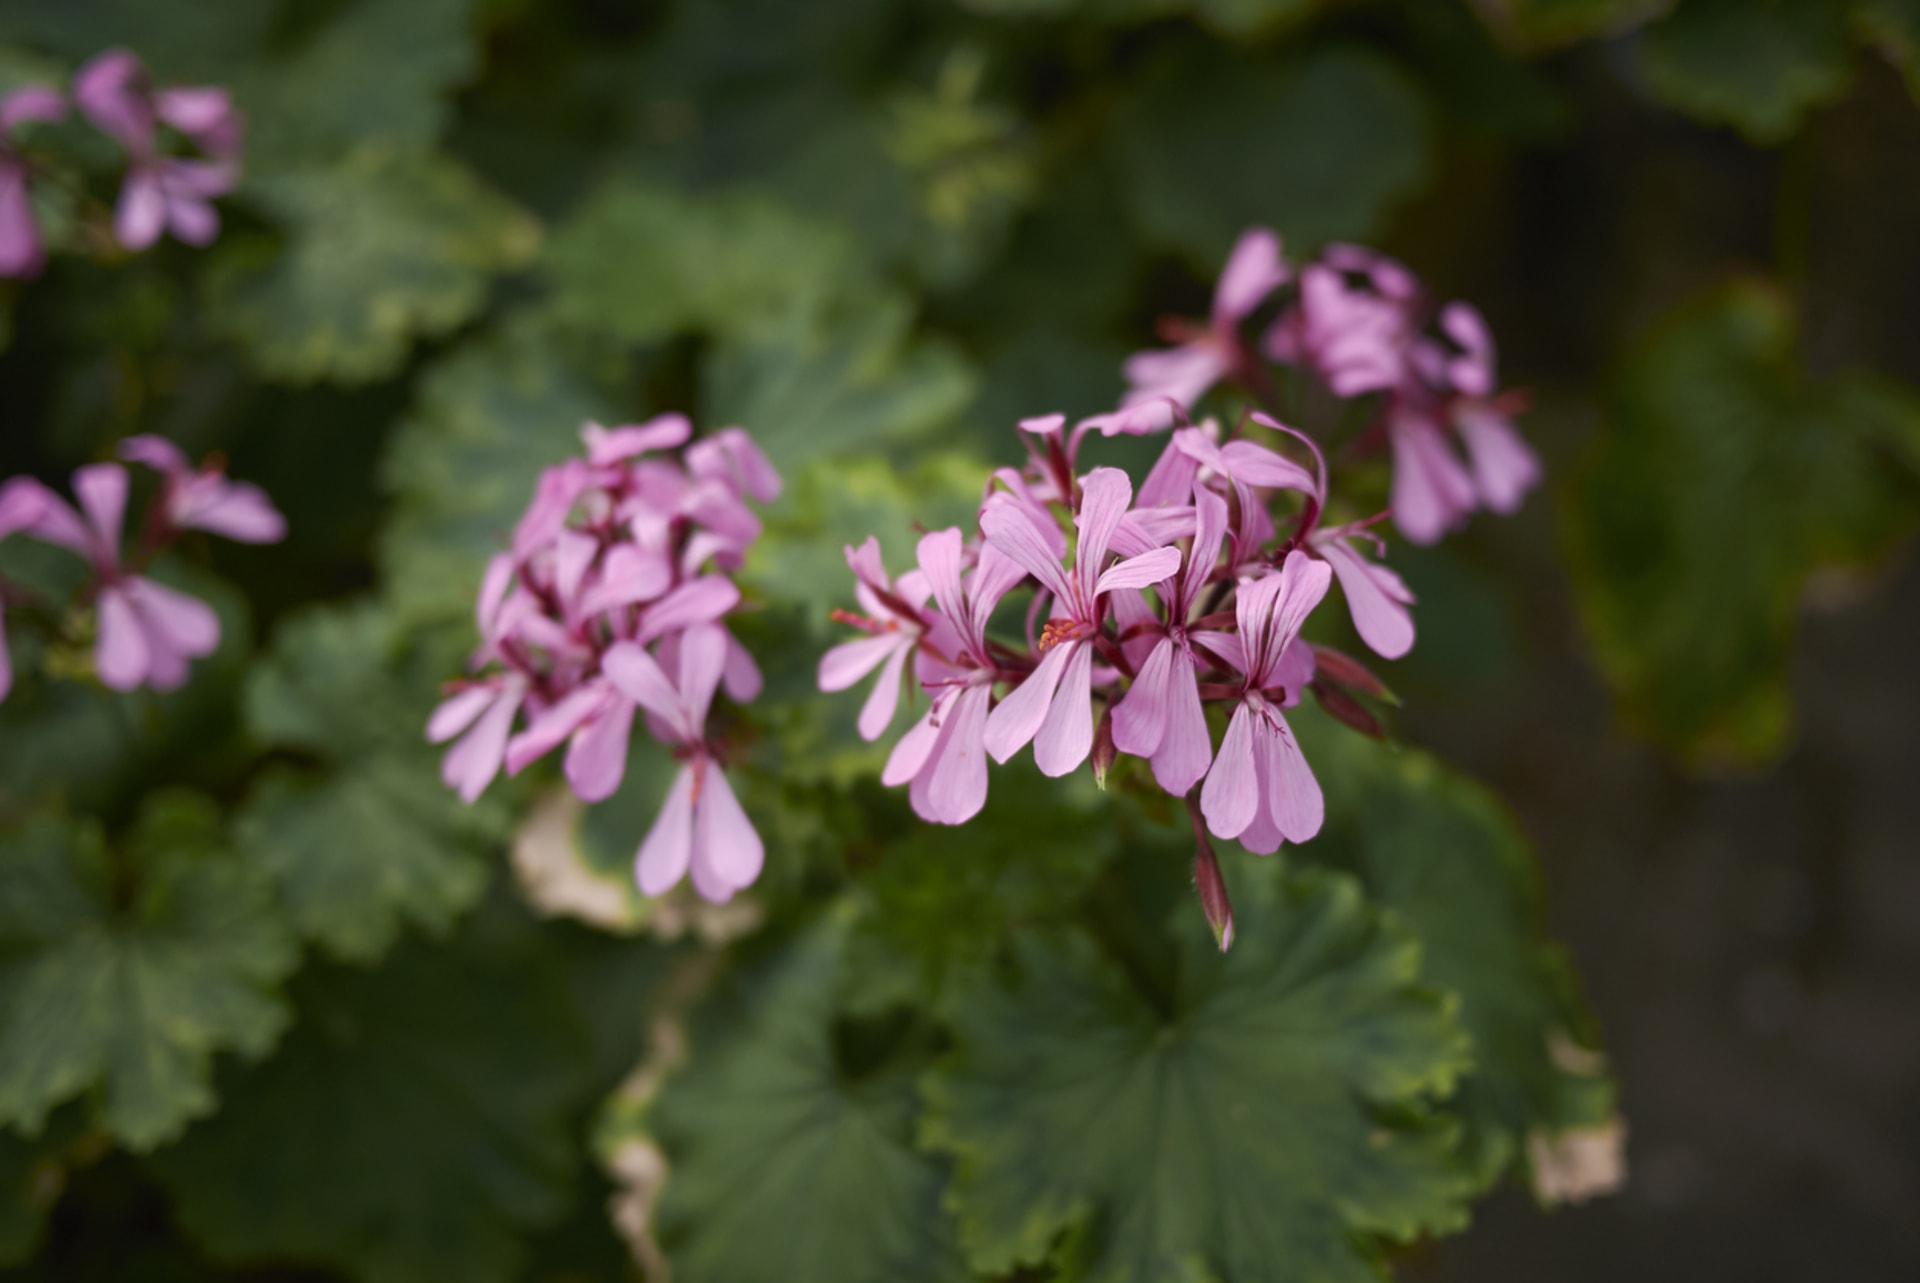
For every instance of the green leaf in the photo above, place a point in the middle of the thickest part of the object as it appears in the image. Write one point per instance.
(1758, 65)
(122, 974)
(643, 263)
(1319, 148)
(808, 391)
(378, 72)
(376, 841)
(414, 1128)
(1268, 1124)
(1539, 25)
(383, 247)
(1445, 856)
(32, 1176)
(1724, 478)
(768, 1127)
(489, 416)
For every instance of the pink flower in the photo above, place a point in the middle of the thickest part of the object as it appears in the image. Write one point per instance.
(1354, 334)
(895, 626)
(162, 193)
(1053, 706)
(204, 499)
(1261, 790)
(21, 253)
(1160, 379)
(1160, 717)
(1377, 597)
(484, 710)
(702, 827)
(943, 756)
(147, 631)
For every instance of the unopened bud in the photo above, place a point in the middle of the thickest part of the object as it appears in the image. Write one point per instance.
(1104, 751)
(1213, 894)
(1349, 672)
(1345, 708)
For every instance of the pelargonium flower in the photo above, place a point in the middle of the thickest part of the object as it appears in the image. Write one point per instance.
(622, 552)
(1053, 708)
(895, 625)
(162, 192)
(1261, 790)
(701, 829)
(21, 253)
(203, 498)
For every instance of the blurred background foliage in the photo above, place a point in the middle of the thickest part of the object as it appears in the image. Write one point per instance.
(275, 1006)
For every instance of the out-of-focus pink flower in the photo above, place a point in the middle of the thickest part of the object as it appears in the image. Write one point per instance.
(1377, 597)
(148, 632)
(701, 829)
(162, 193)
(1261, 790)
(203, 498)
(1053, 707)
(21, 253)
(1158, 380)
(1354, 332)
(481, 714)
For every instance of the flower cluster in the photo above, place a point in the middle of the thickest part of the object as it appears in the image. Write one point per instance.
(609, 603)
(164, 189)
(145, 632)
(1148, 607)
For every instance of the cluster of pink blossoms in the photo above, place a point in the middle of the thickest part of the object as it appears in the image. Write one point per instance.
(610, 602)
(163, 190)
(146, 633)
(1148, 606)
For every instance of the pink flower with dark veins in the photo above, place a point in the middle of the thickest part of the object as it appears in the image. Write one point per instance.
(202, 498)
(701, 829)
(1053, 707)
(21, 252)
(1261, 790)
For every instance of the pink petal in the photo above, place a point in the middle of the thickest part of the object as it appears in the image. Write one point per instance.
(102, 491)
(1019, 716)
(700, 602)
(546, 730)
(1140, 572)
(1210, 531)
(597, 755)
(42, 103)
(1186, 750)
(1263, 835)
(573, 554)
(663, 856)
(724, 839)
(848, 662)
(156, 452)
(1008, 527)
(1105, 495)
(1232, 791)
(192, 219)
(1504, 469)
(187, 624)
(141, 214)
(1291, 675)
(1255, 465)
(1253, 271)
(703, 659)
(952, 786)
(23, 503)
(635, 674)
(20, 251)
(740, 678)
(120, 651)
(471, 764)
(458, 712)
(607, 446)
(1379, 614)
(240, 512)
(110, 92)
(1066, 737)
(940, 555)
(195, 109)
(911, 752)
(1160, 377)
(1292, 791)
(1472, 371)
(1171, 480)
(877, 713)
(629, 575)
(1140, 718)
(6, 657)
(1432, 491)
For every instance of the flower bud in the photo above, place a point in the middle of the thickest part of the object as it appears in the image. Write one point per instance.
(1213, 895)
(1350, 673)
(1345, 708)
(1104, 751)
